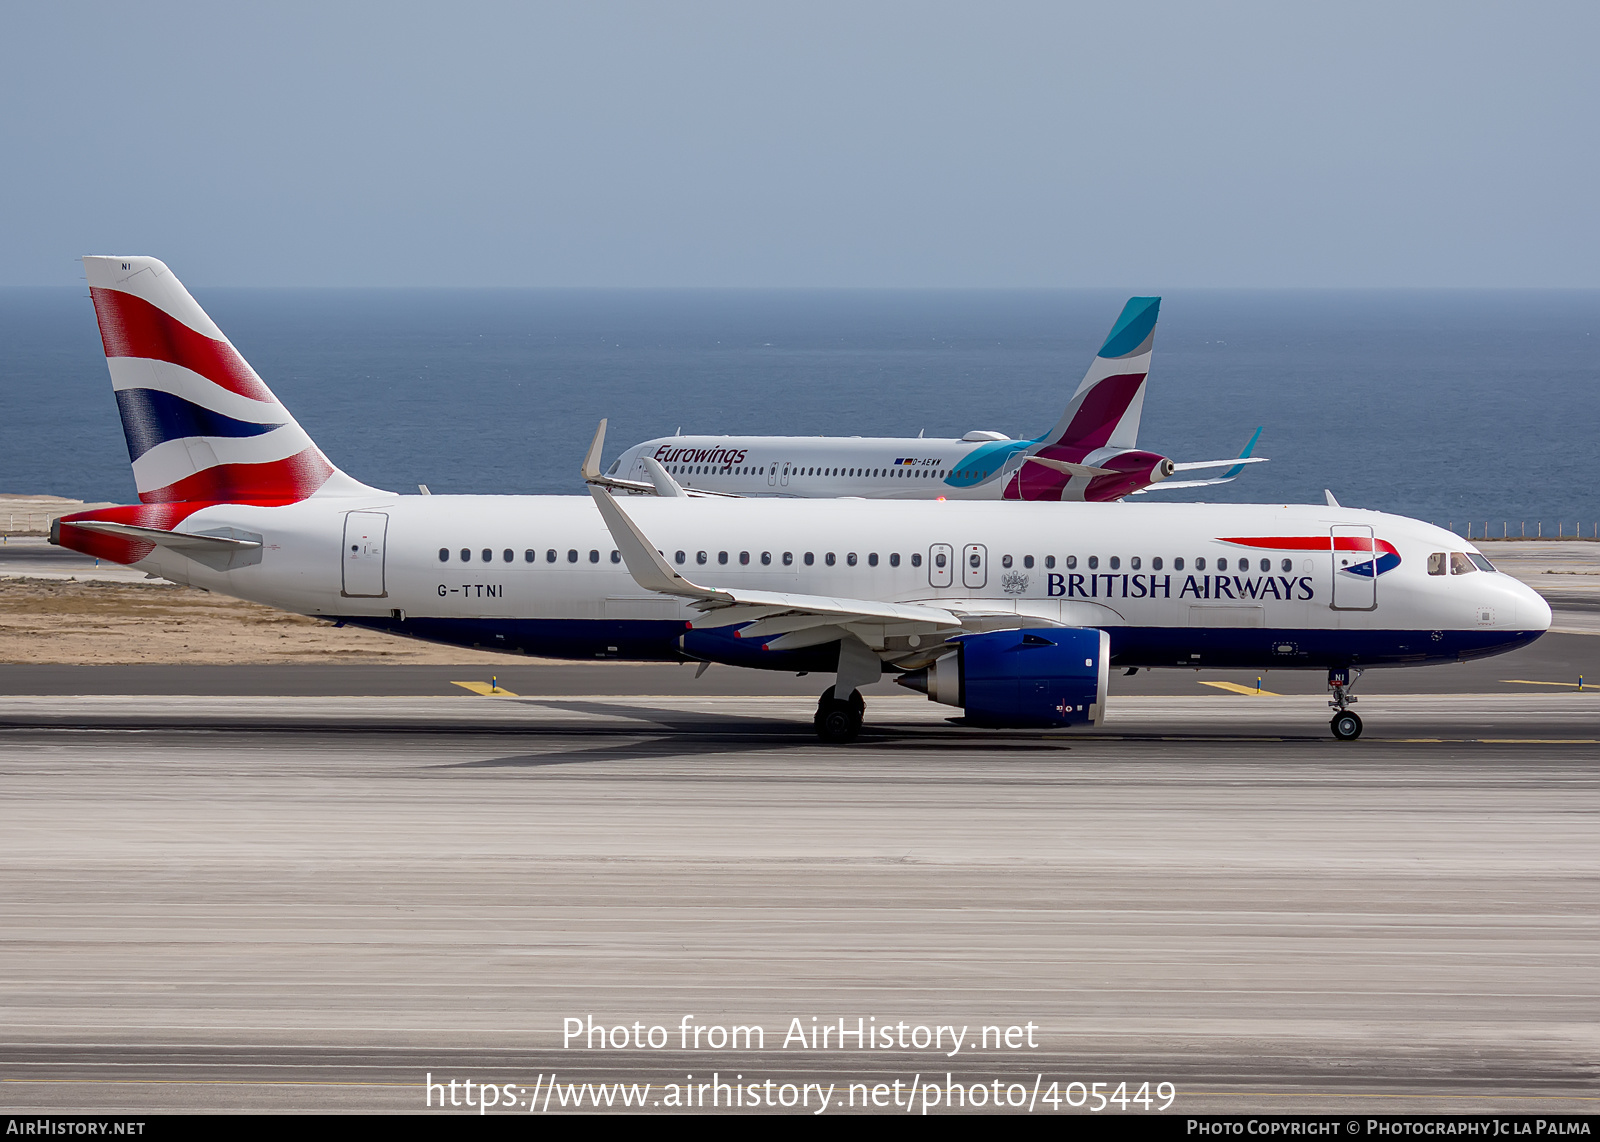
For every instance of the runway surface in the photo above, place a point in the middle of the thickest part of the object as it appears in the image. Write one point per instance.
(261, 902)
(1555, 661)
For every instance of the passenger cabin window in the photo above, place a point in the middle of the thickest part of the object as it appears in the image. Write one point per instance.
(550, 555)
(1177, 564)
(444, 555)
(616, 557)
(1049, 560)
(1116, 563)
(679, 556)
(508, 555)
(851, 559)
(488, 556)
(1134, 563)
(1287, 565)
(1460, 564)
(722, 558)
(594, 556)
(766, 559)
(1027, 561)
(1072, 563)
(744, 559)
(572, 555)
(810, 559)
(1005, 561)
(894, 559)
(872, 559)
(1155, 564)
(466, 555)
(828, 559)
(1200, 564)
(529, 555)
(916, 559)
(788, 558)
(699, 556)
(1094, 562)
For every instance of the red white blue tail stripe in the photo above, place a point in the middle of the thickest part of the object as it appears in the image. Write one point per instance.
(200, 424)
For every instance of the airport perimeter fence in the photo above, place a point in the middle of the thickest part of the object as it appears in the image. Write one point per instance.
(38, 523)
(1525, 530)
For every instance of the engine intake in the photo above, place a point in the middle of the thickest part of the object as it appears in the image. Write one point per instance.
(1039, 677)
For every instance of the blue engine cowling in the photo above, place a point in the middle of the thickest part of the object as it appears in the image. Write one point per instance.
(1039, 677)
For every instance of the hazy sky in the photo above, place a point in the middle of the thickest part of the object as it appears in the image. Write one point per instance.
(1152, 146)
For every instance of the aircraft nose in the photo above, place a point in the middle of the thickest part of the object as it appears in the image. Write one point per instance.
(1532, 612)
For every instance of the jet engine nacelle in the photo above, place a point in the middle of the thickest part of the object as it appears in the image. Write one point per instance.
(1039, 677)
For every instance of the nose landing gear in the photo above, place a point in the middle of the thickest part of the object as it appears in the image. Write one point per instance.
(1346, 723)
(839, 721)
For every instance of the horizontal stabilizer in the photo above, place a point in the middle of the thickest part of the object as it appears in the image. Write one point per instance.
(177, 540)
(1196, 465)
(1072, 469)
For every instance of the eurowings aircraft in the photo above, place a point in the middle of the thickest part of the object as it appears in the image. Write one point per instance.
(1015, 612)
(1091, 454)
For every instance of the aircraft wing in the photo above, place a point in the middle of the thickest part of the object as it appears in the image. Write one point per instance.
(787, 619)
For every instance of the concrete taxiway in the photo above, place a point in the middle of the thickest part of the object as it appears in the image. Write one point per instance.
(269, 902)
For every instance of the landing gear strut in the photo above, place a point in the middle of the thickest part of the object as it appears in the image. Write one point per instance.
(1346, 723)
(839, 721)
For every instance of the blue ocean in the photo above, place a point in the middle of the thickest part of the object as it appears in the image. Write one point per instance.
(1455, 407)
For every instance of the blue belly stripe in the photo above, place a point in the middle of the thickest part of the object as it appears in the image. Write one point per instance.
(1219, 648)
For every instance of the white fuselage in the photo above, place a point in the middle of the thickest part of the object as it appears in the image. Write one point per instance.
(828, 467)
(539, 574)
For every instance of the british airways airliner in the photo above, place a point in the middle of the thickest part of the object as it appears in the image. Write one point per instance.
(1015, 612)
(1091, 454)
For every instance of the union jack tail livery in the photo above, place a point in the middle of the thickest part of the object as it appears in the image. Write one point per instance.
(200, 424)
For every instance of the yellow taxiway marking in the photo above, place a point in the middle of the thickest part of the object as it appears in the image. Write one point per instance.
(485, 689)
(1539, 741)
(1531, 682)
(1235, 688)
(1494, 741)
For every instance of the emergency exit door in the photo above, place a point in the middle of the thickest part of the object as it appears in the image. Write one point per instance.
(974, 565)
(364, 534)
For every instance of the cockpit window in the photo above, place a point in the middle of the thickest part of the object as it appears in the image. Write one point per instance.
(1483, 564)
(1436, 563)
(1460, 564)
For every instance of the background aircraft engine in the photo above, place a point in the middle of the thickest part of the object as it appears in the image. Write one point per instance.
(1052, 676)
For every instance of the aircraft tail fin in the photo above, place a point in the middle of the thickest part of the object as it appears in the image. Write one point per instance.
(1105, 409)
(201, 425)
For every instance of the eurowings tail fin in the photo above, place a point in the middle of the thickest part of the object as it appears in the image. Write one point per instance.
(201, 425)
(1104, 411)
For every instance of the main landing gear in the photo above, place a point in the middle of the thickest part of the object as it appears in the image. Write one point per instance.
(1346, 723)
(839, 720)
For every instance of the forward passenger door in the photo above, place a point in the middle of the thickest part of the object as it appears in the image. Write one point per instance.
(1355, 568)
